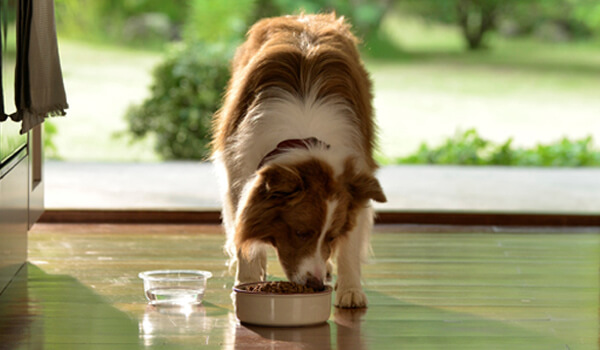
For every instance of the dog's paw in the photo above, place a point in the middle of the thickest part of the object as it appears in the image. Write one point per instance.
(350, 298)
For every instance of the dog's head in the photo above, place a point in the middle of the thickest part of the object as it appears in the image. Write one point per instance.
(304, 211)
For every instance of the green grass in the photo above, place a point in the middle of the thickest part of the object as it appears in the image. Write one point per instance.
(428, 88)
(101, 83)
(531, 91)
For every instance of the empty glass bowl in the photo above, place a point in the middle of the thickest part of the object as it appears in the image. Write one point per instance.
(174, 287)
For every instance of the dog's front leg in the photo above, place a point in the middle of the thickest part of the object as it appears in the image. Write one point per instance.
(349, 293)
(251, 270)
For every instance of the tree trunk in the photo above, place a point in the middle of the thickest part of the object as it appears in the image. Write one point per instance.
(476, 18)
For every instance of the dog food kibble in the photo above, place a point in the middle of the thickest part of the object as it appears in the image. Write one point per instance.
(280, 287)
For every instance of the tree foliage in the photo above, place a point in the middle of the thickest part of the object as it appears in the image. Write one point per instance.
(477, 18)
(104, 20)
(365, 15)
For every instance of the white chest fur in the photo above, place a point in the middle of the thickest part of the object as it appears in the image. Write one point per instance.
(291, 117)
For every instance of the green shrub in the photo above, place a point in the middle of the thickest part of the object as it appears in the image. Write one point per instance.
(186, 90)
(469, 148)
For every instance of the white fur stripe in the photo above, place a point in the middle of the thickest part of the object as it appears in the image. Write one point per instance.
(331, 208)
(315, 264)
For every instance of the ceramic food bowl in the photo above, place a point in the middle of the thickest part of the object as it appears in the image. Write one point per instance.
(281, 310)
(174, 287)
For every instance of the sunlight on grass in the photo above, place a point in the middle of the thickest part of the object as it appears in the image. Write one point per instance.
(101, 83)
(414, 34)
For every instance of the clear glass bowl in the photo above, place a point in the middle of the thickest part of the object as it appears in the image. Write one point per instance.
(174, 287)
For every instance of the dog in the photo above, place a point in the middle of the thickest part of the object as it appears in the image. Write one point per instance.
(293, 144)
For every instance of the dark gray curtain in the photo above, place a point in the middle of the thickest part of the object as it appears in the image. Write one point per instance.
(3, 29)
(39, 88)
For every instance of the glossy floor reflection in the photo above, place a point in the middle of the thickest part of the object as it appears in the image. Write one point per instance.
(427, 290)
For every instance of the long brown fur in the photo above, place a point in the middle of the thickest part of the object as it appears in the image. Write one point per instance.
(295, 55)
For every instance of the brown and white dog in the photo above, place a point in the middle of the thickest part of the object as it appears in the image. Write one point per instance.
(293, 143)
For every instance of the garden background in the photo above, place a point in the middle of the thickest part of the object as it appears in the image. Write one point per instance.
(455, 81)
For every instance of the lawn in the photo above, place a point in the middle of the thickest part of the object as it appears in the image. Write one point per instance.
(101, 83)
(528, 90)
(531, 91)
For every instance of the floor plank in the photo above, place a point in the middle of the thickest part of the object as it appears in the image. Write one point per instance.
(427, 290)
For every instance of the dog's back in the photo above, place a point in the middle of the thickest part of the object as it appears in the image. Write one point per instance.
(308, 56)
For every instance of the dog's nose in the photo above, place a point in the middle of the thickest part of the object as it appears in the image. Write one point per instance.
(314, 283)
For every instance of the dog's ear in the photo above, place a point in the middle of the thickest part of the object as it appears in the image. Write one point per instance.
(280, 181)
(365, 187)
(362, 186)
(252, 220)
(256, 221)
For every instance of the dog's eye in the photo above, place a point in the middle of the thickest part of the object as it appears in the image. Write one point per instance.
(331, 237)
(303, 235)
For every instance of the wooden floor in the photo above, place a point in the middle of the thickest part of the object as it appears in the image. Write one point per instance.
(481, 289)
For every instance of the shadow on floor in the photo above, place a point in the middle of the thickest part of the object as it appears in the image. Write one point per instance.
(54, 311)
